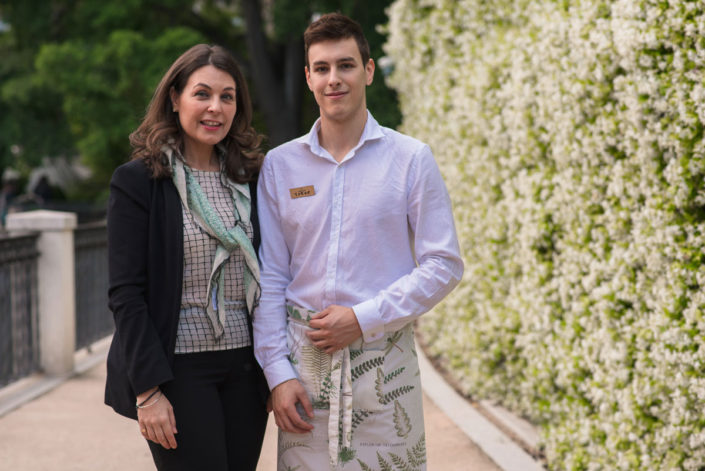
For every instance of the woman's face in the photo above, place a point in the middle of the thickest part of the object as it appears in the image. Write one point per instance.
(206, 108)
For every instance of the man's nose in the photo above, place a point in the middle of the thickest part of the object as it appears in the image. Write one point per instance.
(333, 78)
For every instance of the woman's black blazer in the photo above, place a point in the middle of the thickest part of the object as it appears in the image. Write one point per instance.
(145, 259)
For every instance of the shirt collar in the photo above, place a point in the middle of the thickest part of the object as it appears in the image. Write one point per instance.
(371, 131)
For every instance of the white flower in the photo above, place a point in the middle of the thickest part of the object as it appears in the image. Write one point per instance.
(570, 139)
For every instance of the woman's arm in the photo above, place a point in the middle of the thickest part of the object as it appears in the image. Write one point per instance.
(145, 360)
(142, 351)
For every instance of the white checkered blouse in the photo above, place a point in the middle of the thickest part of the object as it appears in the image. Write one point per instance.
(195, 333)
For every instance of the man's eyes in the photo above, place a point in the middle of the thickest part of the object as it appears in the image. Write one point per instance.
(322, 69)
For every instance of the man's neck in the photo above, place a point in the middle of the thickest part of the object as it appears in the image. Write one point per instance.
(339, 137)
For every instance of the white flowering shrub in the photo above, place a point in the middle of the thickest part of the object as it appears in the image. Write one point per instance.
(570, 134)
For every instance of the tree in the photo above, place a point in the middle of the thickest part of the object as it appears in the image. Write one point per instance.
(77, 75)
(277, 61)
(107, 86)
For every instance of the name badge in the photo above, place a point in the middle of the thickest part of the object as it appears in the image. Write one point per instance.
(302, 192)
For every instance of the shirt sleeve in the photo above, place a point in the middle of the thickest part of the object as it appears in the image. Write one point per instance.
(269, 320)
(439, 264)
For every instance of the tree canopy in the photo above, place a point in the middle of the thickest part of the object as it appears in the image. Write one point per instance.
(77, 75)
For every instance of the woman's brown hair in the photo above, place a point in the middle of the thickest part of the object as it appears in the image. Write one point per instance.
(243, 157)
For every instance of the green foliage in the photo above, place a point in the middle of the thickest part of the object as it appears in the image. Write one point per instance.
(32, 119)
(105, 87)
(77, 75)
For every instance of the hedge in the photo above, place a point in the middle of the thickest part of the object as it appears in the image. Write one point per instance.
(570, 134)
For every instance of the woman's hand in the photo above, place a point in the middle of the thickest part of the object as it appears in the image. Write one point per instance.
(156, 419)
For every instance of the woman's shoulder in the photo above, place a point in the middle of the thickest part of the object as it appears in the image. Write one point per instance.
(133, 178)
(134, 169)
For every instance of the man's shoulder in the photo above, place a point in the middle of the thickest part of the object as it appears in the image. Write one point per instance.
(403, 142)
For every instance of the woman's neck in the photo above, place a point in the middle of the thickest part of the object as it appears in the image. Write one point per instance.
(201, 158)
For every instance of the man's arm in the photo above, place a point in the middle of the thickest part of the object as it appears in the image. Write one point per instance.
(440, 266)
(269, 320)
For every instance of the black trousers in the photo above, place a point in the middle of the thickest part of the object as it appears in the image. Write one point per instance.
(220, 412)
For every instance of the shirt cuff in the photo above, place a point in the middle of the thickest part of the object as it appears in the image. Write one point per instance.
(278, 372)
(370, 320)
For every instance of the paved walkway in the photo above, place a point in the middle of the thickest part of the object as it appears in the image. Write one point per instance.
(69, 429)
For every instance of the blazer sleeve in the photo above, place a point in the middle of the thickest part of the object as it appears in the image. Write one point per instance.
(141, 350)
(254, 219)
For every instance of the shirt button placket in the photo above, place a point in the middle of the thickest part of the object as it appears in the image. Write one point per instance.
(334, 245)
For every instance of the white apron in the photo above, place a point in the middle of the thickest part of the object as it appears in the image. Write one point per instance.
(367, 403)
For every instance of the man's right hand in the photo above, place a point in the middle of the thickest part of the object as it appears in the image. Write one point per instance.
(284, 399)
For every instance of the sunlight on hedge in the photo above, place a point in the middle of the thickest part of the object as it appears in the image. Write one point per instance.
(570, 136)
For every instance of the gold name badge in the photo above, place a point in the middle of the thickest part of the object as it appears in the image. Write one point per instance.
(302, 191)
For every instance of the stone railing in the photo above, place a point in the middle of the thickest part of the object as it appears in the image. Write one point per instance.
(70, 288)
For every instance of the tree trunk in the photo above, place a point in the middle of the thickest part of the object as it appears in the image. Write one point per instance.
(279, 98)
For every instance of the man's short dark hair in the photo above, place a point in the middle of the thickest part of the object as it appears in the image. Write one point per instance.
(333, 27)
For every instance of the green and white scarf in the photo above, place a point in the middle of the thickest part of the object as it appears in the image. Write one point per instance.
(195, 201)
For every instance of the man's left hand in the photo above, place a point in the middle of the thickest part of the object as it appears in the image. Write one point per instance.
(336, 327)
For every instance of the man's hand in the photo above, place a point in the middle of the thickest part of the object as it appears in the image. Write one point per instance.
(157, 422)
(336, 327)
(284, 399)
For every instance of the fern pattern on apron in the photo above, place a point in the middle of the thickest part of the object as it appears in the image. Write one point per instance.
(367, 401)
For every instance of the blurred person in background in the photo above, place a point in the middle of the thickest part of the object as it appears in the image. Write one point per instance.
(9, 191)
(184, 276)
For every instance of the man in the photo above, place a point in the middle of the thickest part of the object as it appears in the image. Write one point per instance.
(358, 241)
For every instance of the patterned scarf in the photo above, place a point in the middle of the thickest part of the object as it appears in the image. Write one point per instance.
(195, 201)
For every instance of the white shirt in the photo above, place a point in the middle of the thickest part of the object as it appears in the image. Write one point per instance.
(356, 241)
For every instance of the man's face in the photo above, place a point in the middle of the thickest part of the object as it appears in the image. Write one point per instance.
(337, 77)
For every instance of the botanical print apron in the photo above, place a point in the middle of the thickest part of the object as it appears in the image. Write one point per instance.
(367, 404)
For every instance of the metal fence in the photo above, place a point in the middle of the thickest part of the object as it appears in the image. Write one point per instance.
(19, 338)
(93, 318)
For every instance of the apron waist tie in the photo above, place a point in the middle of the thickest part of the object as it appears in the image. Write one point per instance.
(340, 416)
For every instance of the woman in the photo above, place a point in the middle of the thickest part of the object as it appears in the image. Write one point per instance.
(184, 277)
